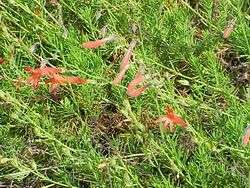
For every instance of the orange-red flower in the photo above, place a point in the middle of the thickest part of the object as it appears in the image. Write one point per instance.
(127, 56)
(56, 80)
(170, 119)
(139, 78)
(125, 63)
(97, 43)
(119, 77)
(37, 73)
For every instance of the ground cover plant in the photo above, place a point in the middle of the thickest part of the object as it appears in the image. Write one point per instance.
(152, 93)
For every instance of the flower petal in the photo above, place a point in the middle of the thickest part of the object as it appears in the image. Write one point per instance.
(179, 121)
(171, 126)
(54, 88)
(170, 113)
(161, 119)
(75, 80)
(164, 126)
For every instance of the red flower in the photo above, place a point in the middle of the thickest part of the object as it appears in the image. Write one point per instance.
(127, 56)
(37, 73)
(56, 80)
(139, 78)
(119, 77)
(97, 43)
(125, 63)
(170, 119)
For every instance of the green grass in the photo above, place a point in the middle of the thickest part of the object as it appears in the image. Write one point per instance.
(47, 143)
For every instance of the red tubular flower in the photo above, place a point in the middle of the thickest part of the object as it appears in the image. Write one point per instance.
(139, 78)
(125, 63)
(119, 77)
(127, 56)
(37, 73)
(56, 80)
(97, 43)
(170, 119)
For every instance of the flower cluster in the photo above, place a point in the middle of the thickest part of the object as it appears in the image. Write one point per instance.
(56, 79)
